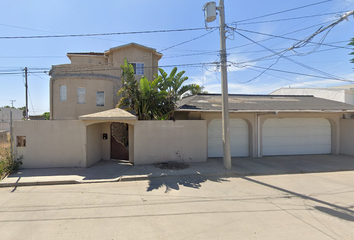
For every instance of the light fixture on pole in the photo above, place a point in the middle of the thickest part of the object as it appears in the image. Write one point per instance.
(210, 15)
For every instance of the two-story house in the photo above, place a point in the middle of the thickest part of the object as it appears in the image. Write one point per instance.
(90, 83)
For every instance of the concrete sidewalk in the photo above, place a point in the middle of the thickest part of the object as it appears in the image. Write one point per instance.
(113, 171)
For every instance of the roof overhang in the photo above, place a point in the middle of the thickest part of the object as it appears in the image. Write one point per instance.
(112, 115)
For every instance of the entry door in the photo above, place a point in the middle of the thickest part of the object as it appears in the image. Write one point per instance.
(119, 141)
(294, 136)
(239, 138)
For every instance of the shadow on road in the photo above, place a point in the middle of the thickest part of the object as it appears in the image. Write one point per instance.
(344, 213)
(335, 213)
(174, 183)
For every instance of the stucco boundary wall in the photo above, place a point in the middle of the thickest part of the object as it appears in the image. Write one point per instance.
(161, 141)
(347, 136)
(51, 143)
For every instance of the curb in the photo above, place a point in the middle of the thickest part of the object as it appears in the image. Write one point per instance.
(26, 184)
(120, 179)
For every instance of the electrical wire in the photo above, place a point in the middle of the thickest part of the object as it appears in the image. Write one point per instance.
(294, 61)
(105, 34)
(288, 10)
(293, 18)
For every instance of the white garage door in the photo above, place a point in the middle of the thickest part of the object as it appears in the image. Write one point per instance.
(293, 136)
(239, 140)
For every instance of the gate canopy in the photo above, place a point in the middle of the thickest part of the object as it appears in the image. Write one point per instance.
(112, 115)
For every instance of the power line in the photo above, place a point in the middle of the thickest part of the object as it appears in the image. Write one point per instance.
(293, 18)
(190, 40)
(297, 73)
(105, 34)
(288, 10)
(293, 39)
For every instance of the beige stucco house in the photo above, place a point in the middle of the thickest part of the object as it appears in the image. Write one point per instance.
(90, 83)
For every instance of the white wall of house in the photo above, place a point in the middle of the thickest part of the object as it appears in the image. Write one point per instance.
(5, 117)
(347, 136)
(161, 141)
(51, 143)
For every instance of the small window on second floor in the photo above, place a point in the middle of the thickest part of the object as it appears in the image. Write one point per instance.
(81, 95)
(138, 68)
(62, 92)
(100, 98)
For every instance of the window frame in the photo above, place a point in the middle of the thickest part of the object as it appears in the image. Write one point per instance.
(138, 70)
(81, 96)
(97, 100)
(61, 93)
(20, 141)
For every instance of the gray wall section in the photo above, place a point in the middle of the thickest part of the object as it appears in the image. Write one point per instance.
(51, 143)
(347, 136)
(161, 141)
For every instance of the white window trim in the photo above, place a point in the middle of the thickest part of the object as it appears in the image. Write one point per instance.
(141, 68)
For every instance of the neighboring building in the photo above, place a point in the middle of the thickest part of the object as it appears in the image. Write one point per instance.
(5, 117)
(344, 93)
(91, 82)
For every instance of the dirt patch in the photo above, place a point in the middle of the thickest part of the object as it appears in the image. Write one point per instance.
(172, 165)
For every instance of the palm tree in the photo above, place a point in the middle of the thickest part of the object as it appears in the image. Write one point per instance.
(196, 89)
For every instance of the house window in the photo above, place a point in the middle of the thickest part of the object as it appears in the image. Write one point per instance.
(138, 68)
(100, 99)
(63, 92)
(21, 141)
(81, 95)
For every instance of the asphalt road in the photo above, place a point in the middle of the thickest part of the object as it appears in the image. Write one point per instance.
(299, 206)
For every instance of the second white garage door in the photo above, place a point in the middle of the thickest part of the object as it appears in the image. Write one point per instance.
(293, 136)
(239, 139)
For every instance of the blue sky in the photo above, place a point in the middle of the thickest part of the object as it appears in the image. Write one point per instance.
(246, 59)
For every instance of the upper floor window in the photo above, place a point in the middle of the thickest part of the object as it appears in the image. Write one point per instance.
(81, 95)
(63, 92)
(138, 68)
(100, 98)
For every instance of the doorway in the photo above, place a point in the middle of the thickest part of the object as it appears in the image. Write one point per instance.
(119, 141)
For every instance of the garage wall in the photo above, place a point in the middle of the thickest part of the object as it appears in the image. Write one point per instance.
(51, 143)
(347, 136)
(161, 141)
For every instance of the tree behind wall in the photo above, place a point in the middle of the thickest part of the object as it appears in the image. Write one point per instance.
(153, 99)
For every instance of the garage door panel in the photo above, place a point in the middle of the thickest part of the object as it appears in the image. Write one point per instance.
(239, 139)
(280, 141)
(296, 136)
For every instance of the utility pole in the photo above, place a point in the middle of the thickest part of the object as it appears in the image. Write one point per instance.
(26, 85)
(224, 89)
(209, 9)
(11, 137)
(12, 103)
